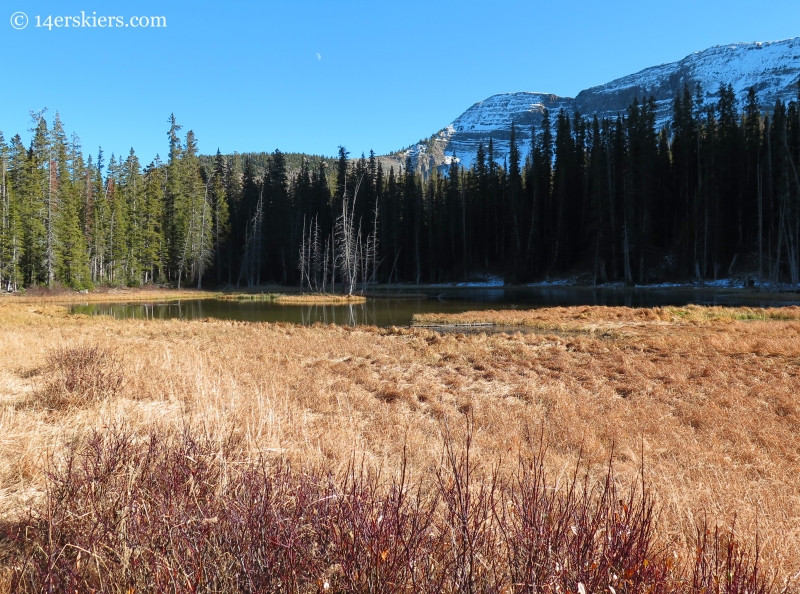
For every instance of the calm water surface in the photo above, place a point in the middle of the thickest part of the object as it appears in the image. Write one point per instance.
(388, 311)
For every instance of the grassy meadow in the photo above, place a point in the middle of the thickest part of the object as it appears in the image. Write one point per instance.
(595, 449)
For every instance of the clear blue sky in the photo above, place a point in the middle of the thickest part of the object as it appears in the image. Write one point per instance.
(308, 76)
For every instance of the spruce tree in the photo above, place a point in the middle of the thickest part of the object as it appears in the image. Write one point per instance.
(132, 196)
(73, 261)
(514, 181)
(221, 223)
(153, 256)
(175, 224)
(37, 208)
(9, 224)
(194, 215)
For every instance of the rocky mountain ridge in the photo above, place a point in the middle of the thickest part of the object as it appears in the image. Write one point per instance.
(771, 68)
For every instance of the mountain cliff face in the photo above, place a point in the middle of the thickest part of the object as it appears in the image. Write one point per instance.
(772, 68)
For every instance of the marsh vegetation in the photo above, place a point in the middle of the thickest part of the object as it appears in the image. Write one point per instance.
(650, 449)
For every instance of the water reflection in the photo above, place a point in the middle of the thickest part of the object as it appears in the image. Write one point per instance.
(388, 311)
(380, 312)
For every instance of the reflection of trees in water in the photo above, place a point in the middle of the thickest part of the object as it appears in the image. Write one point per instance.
(388, 311)
(350, 314)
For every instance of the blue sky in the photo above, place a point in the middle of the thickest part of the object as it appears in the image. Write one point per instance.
(309, 76)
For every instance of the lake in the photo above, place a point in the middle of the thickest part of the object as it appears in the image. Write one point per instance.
(389, 311)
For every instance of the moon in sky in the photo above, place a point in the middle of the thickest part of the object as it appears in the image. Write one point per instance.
(319, 57)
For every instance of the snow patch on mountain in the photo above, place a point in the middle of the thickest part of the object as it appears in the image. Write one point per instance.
(771, 68)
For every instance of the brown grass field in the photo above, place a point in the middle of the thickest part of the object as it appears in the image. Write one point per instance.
(273, 294)
(700, 404)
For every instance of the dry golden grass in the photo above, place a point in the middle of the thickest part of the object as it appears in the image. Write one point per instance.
(295, 298)
(121, 294)
(154, 294)
(588, 318)
(705, 398)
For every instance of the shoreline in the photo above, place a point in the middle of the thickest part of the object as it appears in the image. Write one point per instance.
(292, 296)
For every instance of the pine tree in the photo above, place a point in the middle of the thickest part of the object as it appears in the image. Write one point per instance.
(117, 226)
(9, 224)
(175, 224)
(132, 198)
(341, 178)
(153, 256)
(36, 208)
(562, 185)
(514, 181)
(250, 225)
(100, 219)
(194, 214)
(280, 243)
(221, 222)
(73, 261)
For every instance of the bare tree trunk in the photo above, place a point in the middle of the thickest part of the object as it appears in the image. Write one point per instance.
(777, 269)
(333, 265)
(626, 254)
(303, 254)
(790, 236)
(760, 231)
(348, 240)
(464, 224)
(596, 259)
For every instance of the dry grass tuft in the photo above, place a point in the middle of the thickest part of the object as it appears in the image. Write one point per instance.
(295, 298)
(388, 394)
(79, 375)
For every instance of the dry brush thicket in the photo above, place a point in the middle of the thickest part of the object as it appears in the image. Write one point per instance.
(197, 454)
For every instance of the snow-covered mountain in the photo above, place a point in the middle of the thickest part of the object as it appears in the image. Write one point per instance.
(772, 68)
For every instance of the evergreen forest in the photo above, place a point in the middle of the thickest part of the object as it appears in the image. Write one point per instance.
(712, 192)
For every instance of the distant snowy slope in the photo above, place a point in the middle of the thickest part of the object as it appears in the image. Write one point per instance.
(772, 68)
(493, 117)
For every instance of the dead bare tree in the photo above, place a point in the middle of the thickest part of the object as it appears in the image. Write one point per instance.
(302, 263)
(347, 241)
(325, 266)
(348, 251)
(310, 261)
(315, 263)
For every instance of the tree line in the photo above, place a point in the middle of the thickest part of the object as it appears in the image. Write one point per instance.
(712, 191)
